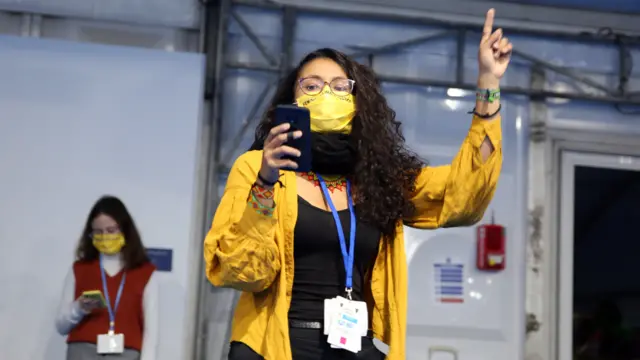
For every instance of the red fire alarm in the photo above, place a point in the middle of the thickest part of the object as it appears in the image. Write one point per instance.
(491, 246)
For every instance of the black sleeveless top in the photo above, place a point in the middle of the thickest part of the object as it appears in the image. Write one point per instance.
(319, 272)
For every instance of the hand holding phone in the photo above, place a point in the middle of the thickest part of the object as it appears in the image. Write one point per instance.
(288, 144)
(91, 300)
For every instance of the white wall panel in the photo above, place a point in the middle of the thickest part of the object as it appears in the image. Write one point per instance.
(80, 121)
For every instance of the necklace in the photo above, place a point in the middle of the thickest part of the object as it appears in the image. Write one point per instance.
(334, 183)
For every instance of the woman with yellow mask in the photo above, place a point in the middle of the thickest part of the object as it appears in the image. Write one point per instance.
(109, 305)
(320, 256)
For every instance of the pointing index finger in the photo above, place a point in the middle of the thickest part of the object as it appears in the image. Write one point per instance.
(488, 24)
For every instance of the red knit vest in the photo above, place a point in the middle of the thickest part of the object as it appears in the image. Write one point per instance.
(129, 315)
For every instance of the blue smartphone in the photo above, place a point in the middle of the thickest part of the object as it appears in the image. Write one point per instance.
(299, 119)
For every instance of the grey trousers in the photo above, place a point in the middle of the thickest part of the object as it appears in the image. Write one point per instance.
(88, 351)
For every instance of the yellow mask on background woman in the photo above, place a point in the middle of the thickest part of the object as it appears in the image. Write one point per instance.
(329, 112)
(108, 244)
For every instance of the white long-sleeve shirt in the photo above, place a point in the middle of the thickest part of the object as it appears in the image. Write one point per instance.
(70, 314)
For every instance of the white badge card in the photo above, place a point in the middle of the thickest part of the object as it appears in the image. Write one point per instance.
(331, 306)
(363, 316)
(361, 313)
(110, 344)
(345, 330)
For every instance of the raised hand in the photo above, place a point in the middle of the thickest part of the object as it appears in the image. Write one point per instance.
(494, 53)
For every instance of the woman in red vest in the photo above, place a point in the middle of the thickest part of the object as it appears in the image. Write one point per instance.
(109, 306)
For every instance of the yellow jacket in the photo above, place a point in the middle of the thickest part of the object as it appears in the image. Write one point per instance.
(253, 253)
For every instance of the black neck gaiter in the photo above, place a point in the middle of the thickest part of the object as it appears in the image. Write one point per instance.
(332, 154)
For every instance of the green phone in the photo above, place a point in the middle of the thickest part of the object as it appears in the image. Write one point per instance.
(95, 295)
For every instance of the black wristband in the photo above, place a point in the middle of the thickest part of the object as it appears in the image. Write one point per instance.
(485, 116)
(265, 181)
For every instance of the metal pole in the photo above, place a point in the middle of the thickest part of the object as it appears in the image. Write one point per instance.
(289, 24)
(538, 113)
(625, 64)
(461, 45)
(215, 29)
(385, 49)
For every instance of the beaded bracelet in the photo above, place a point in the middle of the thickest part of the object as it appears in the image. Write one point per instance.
(257, 205)
(261, 192)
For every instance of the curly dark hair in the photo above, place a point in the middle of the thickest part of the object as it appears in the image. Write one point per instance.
(386, 170)
(133, 252)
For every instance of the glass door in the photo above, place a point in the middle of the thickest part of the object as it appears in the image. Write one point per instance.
(599, 257)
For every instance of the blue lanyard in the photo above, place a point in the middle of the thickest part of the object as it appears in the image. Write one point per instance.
(349, 256)
(112, 311)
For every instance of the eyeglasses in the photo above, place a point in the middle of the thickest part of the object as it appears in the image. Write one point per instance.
(313, 86)
(108, 230)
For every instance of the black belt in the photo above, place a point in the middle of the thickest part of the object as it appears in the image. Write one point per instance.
(298, 324)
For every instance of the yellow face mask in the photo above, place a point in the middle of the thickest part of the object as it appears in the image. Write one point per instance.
(108, 244)
(329, 112)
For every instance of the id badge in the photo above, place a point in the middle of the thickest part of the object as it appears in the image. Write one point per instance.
(110, 344)
(333, 306)
(348, 323)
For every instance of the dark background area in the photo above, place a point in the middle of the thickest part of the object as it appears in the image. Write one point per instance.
(607, 262)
